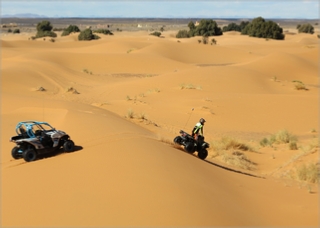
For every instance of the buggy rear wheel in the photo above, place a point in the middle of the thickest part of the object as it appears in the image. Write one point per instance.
(14, 152)
(68, 146)
(29, 155)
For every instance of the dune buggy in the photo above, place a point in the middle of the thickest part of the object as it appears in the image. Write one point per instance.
(35, 138)
(191, 145)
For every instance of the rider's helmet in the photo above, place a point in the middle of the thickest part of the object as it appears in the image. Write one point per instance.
(202, 121)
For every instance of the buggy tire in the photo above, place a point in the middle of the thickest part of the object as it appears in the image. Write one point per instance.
(203, 154)
(68, 146)
(29, 155)
(189, 147)
(178, 140)
(14, 152)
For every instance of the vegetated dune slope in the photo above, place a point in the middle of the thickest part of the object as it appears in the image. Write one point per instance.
(121, 174)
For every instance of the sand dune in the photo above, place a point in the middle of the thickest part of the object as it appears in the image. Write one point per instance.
(123, 173)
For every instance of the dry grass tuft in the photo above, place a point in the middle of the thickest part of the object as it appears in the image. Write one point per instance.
(281, 137)
(41, 89)
(228, 143)
(238, 159)
(308, 172)
(299, 85)
(72, 90)
(130, 114)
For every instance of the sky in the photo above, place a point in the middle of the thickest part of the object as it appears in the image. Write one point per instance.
(291, 9)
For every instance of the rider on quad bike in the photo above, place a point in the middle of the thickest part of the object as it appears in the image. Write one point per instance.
(198, 129)
(195, 141)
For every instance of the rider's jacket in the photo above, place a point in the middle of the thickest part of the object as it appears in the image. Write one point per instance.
(198, 129)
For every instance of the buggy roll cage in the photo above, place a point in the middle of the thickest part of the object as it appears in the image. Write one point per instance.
(26, 128)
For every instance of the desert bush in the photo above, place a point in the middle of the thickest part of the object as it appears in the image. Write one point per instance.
(308, 172)
(45, 34)
(238, 159)
(235, 27)
(72, 90)
(158, 34)
(281, 137)
(299, 85)
(228, 143)
(44, 26)
(205, 40)
(305, 28)
(206, 27)
(70, 29)
(16, 31)
(130, 114)
(44, 29)
(263, 29)
(87, 35)
(213, 41)
(9, 30)
(293, 145)
(183, 34)
(103, 31)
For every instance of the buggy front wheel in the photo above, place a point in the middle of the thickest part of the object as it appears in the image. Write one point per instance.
(68, 146)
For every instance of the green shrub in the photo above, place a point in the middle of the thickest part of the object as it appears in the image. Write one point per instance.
(70, 29)
(103, 31)
(9, 30)
(44, 29)
(87, 35)
(263, 29)
(305, 28)
(158, 34)
(206, 27)
(44, 26)
(16, 31)
(183, 34)
(235, 27)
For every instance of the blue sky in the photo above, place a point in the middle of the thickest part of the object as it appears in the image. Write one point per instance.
(308, 9)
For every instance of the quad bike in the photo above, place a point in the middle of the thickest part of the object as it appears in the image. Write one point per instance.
(36, 138)
(191, 145)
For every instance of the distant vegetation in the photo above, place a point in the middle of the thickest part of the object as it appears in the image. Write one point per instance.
(305, 28)
(205, 28)
(87, 35)
(103, 31)
(158, 34)
(261, 28)
(235, 27)
(70, 29)
(44, 29)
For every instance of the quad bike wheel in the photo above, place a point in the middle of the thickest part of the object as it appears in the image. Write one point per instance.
(189, 147)
(177, 140)
(29, 155)
(203, 154)
(68, 146)
(14, 152)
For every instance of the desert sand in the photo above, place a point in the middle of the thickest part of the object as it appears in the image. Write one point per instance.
(124, 171)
